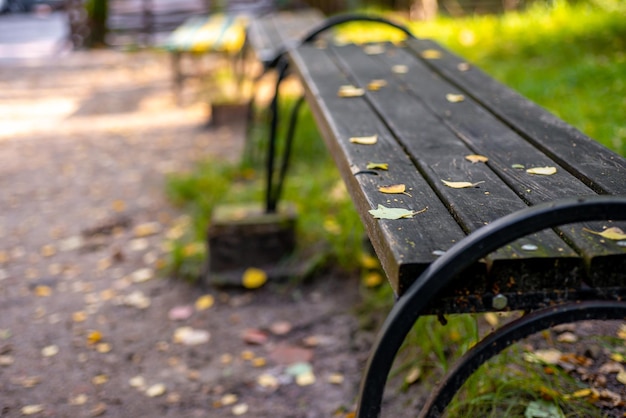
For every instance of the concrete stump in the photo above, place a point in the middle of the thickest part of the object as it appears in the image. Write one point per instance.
(241, 236)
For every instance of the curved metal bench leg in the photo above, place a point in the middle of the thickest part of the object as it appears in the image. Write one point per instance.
(441, 272)
(335, 21)
(280, 181)
(509, 334)
(270, 205)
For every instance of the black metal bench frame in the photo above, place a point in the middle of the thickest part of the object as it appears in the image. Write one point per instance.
(602, 304)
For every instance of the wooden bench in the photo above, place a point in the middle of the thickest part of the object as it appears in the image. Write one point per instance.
(503, 202)
(198, 36)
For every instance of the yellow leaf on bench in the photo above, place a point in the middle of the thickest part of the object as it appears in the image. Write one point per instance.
(350, 91)
(374, 49)
(461, 184)
(376, 85)
(383, 212)
(394, 189)
(431, 54)
(377, 166)
(613, 233)
(474, 158)
(542, 171)
(454, 98)
(400, 69)
(364, 140)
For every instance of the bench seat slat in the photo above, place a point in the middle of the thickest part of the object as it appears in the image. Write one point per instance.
(424, 138)
(600, 168)
(506, 147)
(439, 154)
(269, 33)
(404, 246)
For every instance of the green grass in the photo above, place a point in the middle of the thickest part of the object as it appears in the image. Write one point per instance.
(567, 57)
(327, 221)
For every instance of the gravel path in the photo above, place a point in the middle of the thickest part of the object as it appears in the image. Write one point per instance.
(87, 325)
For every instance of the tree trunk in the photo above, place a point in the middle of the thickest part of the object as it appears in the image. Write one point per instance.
(98, 12)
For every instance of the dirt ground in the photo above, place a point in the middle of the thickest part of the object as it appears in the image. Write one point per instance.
(87, 326)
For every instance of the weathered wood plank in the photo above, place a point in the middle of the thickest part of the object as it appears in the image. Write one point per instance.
(506, 147)
(439, 155)
(268, 34)
(598, 167)
(405, 246)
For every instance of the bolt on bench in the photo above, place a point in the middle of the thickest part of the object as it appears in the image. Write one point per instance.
(499, 205)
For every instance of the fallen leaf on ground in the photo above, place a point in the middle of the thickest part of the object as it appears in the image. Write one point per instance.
(281, 327)
(547, 356)
(190, 336)
(364, 140)
(31, 409)
(259, 362)
(98, 410)
(142, 275)
(228, 399)
(290, 354)
(6, 360)
(253, 278)
(567, 337)
(240, 409)
(42, 291)
(79, 316)
(335, 378)
(383, 212)
(100, 379)
(475, 158)
(394, 189)
(156, 390)
(461, 184)
(543, 409)
(79, 399)
(50, 351)
(373, 279)
(454, 98)
(94, 337)
(431, 54)
(204, 302)
(613, 233)
(542, 171)
(254, 336)
(611, 367)
(147, 229)
(621, 377)
(138, 382)
(27, 381)
(413, 375)
(492, 318)
(350, 91)
(103, 348)
(137, 300)
(305, 379)
(48, 250)
(268, 381)
(179, 313)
